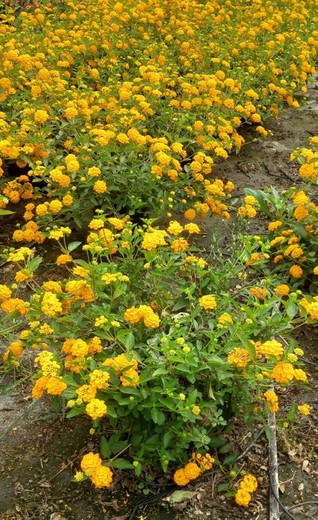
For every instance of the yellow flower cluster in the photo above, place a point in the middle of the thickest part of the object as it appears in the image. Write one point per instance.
(304, 409)
(270, 348)
(243, 495)
(272, 400)
(207, 302)
(311, 307)
(45, 74)
(96, 409)
(143, 312)
(182, 476)
(125, 368)
(239, 357)
(92, 467)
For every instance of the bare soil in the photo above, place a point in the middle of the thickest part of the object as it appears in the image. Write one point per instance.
(40, 452)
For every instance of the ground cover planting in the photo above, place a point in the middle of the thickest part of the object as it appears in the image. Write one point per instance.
(113, 117)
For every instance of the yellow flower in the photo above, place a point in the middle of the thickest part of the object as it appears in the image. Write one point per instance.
(96, 224)
(296, 271)
(101, 476)
(224, 320)
(304, 409)
(55, 386)
(270, 348)
(190, 214)
(272, 226)
(192, 471)
(99, 379)
(207, 302)
(5, 292)
(300, 375)
(90, 461)
(272, 402)
(249, 483)
(282, 290)
(242, 497)
(50, 304)
(96, 409)
(130, 378)
(283, 372)
(174, 228)
(100, 187)
(196, 410)
(192, 229)
(239, 357)
(64, 259)
(79, 476)
(86, 393)
(179, 245)
(180, 478)
(205, 462)
(258, 292)
(41, 116)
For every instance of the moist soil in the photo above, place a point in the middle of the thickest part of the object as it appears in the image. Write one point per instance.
(40, 452)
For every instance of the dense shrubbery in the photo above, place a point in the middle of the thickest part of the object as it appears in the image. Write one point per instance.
(117, 112)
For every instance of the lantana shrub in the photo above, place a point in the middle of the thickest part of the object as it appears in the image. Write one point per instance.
(113, 115)
(151, 342)
(119, 112)
(291, 245)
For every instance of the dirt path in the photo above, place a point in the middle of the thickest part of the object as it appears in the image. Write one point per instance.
(40, 452)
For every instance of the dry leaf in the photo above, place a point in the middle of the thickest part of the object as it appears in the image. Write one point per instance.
(282, 487)
(305, 465)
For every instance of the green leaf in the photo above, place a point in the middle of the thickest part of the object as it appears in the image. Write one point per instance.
(223, 487)
(192, 397)
(111, 411)
(73, 245)
(230, 459)
(182, 304)
(74, 412)
(34, 263)
(166, 439)
(226, 448)
(122, 464)
(69, 381)
(138, 469)
(116, 444)
(70, 394)
(129, 341)
(5, 212)
(161, 371)
(291, 310)
(105, 448)
(216, 442)
(157, 416)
